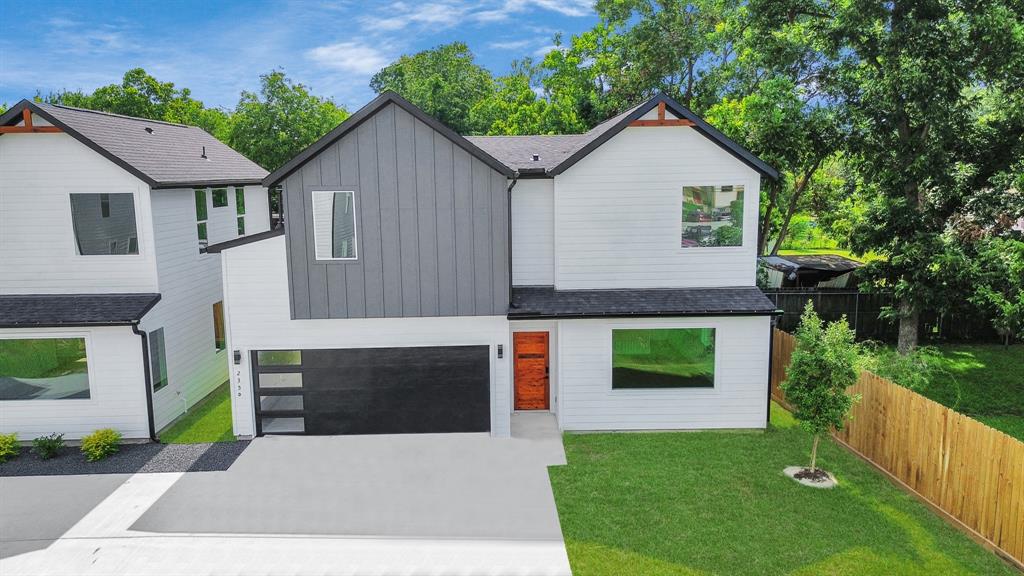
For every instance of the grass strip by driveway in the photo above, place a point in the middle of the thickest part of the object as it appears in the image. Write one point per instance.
(690, 503)
(207, 421)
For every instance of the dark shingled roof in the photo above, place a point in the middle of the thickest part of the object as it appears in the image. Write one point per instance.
(517, 152)
(558, 153)
(34, 310)
(820, 262)
(168, 157)
(546, 302)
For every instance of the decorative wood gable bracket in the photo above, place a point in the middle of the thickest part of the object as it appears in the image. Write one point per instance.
(28, 127)
(662, 121)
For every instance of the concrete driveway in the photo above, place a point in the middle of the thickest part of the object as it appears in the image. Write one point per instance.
(424, 504)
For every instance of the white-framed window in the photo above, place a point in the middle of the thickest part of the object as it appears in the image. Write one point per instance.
(44, 368)
(657, 358)
(334, 225)
(202, 214)
(240, 209)
(104, 224)
(712, 216)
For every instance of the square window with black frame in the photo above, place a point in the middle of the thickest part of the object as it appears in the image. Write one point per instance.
(334, 225)
(157, 359)
(712, 216)
(104, 224)
(220, 197)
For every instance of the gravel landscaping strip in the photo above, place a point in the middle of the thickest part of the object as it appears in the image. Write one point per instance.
(129, 459)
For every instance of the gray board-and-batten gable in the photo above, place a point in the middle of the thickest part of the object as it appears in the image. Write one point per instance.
(431, 223)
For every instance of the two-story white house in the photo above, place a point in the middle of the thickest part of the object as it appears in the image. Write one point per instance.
(427, 282)
(111, 311)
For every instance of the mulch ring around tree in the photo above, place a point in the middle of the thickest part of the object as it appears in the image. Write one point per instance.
(129, 459)
(816, 478)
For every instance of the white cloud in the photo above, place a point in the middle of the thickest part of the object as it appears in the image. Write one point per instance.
(542, 52)
(349, 57)
(401, 15)
(513, 7)
(511, 44)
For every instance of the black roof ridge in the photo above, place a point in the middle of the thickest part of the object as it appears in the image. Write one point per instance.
(115, 115)
(367, 111)
(243, 240)
(524, 135)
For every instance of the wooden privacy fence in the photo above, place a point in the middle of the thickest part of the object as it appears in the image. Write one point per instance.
(973, 473)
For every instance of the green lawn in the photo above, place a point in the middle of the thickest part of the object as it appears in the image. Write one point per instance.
(984, 381)
(208, 421)
(693, 503)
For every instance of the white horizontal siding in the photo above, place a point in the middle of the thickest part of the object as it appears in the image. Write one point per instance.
(618, 214)
(37, 243)
(738, 400)
(190, 283)
(117, 389)
(259, 318)
(533, 233)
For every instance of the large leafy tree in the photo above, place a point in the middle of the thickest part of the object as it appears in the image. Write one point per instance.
(444, 82)
(514, 108)
(777, 123)
(140, 94)
(905, 72)
(272, 126)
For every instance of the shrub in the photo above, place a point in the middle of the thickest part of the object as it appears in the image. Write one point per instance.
(915, 370)
(100, 444)
(823, 367)
(9, 447)
(48, 446)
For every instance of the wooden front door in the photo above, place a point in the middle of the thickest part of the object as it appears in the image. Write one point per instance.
(531, 370)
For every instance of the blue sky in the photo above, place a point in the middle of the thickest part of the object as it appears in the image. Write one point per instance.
(218, 48)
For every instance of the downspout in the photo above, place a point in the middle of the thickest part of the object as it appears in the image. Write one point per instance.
(149, 380)
(771, 364)
(511, 185)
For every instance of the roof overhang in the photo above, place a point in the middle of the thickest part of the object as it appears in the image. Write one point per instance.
(60, 310)
(367, 112)
(13, 115)
(665, 103)
(221, 246)
(544, 302)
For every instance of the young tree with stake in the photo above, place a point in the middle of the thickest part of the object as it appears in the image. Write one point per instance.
(822, 368)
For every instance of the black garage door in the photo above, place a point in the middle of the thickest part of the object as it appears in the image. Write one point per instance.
(372, 390)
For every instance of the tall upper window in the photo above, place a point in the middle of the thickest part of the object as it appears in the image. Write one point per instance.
(201, 217)
(334, 225)
(663, 358)
(712, 216)
(43, 369)
(240, 209)
(104, 224)
(157, 359)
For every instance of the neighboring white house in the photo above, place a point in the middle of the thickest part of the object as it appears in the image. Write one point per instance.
(111, 310)
(427, 282)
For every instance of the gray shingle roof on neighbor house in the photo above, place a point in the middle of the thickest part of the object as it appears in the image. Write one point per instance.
(546, 302)
(162, 154)
(35, 310)
(558, 153)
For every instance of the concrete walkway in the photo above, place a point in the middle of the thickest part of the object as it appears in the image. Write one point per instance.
(423, 504)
